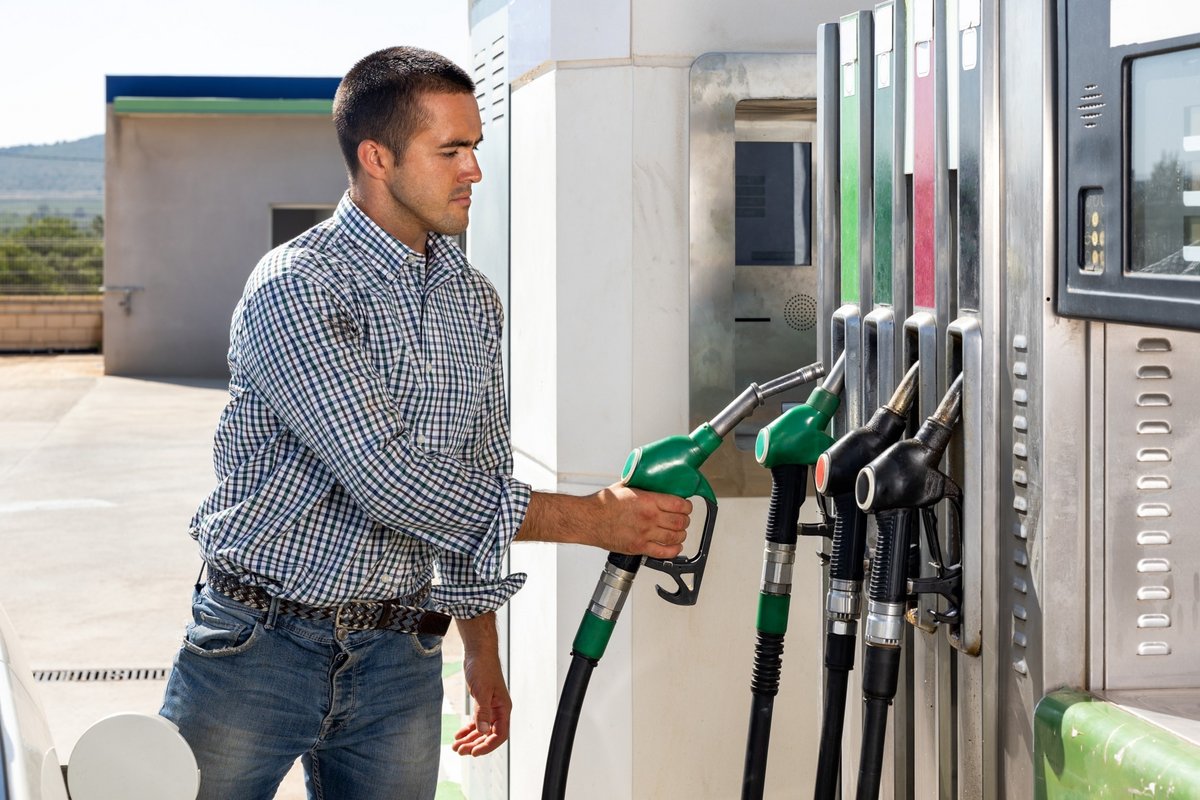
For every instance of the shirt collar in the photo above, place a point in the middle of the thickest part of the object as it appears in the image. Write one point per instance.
(444, 259)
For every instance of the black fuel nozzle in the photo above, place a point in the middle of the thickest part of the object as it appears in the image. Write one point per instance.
(906, 475)
(838, 467)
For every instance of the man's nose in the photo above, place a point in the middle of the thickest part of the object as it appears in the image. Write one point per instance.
(471, 171)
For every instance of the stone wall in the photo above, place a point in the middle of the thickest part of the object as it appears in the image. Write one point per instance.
(50, 322)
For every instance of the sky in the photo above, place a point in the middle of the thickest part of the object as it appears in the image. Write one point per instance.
(55, 55)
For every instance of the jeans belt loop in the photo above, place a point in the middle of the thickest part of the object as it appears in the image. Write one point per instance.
(272, 613)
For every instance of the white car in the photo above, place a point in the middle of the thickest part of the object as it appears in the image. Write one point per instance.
(125, 756)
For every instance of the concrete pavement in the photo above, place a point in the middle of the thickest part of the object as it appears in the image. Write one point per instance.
(99, 477)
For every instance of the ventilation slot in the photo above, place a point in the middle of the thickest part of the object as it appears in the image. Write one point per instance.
(1154, 372)
(1154, 345)
(1091, 105)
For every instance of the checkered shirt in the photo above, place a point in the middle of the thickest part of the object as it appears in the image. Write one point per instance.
(365, 446)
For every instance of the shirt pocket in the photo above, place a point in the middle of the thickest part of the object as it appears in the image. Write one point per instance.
(464, 395)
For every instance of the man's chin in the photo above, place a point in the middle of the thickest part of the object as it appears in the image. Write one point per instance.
(453, 227)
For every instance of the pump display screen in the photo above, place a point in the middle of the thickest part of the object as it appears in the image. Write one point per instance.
(1164, 164)
(773, 203)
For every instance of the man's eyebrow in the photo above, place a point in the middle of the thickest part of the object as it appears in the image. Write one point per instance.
(462, 143)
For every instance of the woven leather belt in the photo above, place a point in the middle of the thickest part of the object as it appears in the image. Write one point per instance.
(358, 615)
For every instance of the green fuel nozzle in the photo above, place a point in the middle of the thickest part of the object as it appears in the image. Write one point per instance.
(798, 435)
(672, 466)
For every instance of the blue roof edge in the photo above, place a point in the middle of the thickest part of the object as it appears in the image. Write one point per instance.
(249, 88)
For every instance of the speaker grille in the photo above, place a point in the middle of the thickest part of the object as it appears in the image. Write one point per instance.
(800, 312)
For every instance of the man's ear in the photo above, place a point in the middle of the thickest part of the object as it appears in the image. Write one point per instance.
(374, 158)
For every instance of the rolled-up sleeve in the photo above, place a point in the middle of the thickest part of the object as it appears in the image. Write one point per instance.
(460, 593)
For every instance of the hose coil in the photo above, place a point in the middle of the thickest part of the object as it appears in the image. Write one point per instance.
(768, 662)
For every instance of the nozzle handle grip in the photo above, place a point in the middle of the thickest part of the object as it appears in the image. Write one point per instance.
(682, 566)
(789, 485)
(889, 568)
(849, 540)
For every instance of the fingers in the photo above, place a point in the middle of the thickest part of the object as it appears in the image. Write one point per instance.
(480, 738)
(674, 522)
(674, 505)
(487, 731)
(662, 551)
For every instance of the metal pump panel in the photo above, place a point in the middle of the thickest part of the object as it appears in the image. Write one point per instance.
(752, 256)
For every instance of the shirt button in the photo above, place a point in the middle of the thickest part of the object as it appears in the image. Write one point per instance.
(429, 367)
(421, 438)
(386, 579)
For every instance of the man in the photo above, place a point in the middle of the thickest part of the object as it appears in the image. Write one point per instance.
(364, 469)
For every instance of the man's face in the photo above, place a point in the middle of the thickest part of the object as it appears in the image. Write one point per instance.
(431, 184)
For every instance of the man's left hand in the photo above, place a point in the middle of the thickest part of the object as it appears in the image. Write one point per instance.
(488, 728)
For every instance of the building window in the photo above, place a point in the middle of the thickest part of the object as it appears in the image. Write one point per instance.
(288, 222)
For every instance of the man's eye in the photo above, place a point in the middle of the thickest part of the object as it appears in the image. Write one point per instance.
(450, 154)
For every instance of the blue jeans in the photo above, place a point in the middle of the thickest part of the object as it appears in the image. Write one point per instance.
(252, 691)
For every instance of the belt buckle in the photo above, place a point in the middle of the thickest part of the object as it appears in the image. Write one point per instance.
(361, 615)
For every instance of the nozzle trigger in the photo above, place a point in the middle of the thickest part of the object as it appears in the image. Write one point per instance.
(681, 566)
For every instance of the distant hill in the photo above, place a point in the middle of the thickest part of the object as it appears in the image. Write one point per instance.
(63, 179)
(50, 169)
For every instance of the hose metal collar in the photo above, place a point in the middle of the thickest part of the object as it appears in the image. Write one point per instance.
(611, 591)
(778, 562)
(885, 624)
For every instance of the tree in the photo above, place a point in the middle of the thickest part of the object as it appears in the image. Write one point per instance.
(51, 255)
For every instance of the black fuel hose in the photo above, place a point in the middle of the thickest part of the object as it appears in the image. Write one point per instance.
(846, 566)
(881, 662)
(554, 785)
(788, 484)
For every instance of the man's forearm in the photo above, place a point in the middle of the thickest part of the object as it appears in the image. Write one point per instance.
(616, 518)
(554, 518)
(479, 635)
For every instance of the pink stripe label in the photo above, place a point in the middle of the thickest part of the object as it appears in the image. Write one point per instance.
(923, 206)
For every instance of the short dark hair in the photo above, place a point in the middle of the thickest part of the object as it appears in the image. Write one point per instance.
(380, 97)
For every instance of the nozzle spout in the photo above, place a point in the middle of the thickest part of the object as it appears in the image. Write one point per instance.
(755, 395)
(947, 410)
(837, 376)
(906, 392)
(792, 379)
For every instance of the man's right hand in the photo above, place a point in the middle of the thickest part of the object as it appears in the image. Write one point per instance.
(617, 519)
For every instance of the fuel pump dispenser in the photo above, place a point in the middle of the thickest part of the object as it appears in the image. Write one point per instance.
(788, 447)
(670, 465)
(904, 479)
